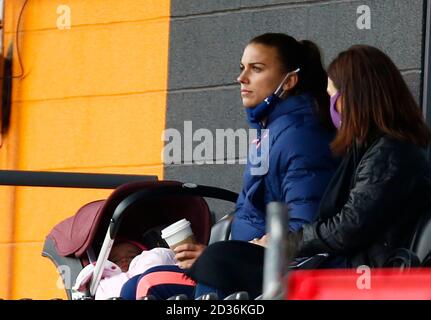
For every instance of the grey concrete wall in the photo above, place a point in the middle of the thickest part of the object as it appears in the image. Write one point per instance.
(206, 42)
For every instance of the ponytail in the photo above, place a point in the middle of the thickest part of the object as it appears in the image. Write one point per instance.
(315, 80)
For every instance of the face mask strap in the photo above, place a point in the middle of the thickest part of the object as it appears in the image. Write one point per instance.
(279, 91)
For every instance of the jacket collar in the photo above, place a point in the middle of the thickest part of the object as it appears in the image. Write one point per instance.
(302, 104)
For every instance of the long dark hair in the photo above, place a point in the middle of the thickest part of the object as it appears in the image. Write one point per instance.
(305, 55)
(375, 99)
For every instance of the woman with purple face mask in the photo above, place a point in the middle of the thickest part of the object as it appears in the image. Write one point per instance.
(383, 185)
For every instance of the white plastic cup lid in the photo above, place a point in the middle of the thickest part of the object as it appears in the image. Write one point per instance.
(175, 228)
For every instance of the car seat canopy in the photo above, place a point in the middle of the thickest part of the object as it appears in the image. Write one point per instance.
(74, 235)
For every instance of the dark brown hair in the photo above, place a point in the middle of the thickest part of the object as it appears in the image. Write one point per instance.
(312, 77)
(375, 99)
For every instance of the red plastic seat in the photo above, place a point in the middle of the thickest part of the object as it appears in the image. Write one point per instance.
(352, 284)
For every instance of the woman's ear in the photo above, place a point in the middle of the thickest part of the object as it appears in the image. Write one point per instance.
(291, 82)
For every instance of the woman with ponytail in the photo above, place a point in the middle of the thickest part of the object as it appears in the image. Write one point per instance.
(299, 128)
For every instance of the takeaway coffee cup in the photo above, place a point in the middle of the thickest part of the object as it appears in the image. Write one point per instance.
(178, 233)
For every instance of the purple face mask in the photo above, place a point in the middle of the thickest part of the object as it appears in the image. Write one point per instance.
(335, 115)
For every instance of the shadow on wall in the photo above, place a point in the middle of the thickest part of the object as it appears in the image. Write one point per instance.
(6, 85)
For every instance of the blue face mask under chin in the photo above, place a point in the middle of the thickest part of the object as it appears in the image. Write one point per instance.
(262, 110)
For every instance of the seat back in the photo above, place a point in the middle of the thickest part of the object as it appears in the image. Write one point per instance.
(427, 261)
(402, 258)
(68, 267)
(220, 231)
(421, 240)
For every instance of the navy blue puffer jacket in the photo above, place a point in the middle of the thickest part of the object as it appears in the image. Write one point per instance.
(298, 169)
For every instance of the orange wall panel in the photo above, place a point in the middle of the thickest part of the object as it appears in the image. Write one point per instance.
(93, 132)
(7, 202)
(95, 60)
(92, 99)
(6, 272)
(39, 209)
(42, 14)
(34, 277)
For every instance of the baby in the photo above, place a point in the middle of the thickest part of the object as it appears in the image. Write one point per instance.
(122, 253)
(126, 259)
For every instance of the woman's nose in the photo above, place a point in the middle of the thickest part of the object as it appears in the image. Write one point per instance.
(241, 78)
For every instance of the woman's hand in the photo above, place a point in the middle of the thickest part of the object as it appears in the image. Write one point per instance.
(187, 253)
(260, 242)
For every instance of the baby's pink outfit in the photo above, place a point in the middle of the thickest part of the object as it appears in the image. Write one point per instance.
(112, 277)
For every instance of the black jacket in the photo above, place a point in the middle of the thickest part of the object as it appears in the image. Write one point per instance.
(372, 204)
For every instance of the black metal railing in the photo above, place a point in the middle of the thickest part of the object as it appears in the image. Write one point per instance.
(68, 179)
